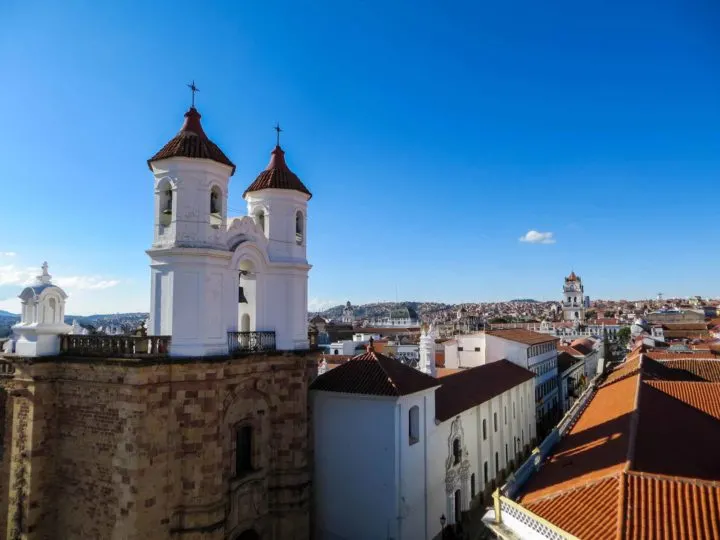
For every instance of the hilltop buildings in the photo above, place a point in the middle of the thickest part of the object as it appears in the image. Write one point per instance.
(200, 429)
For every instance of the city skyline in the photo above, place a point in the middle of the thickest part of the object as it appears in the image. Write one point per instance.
(454, 155)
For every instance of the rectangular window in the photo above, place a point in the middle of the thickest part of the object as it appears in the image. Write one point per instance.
(495, 422)
(484, 428)
(243, 450)
(460, 349)
(477, 349)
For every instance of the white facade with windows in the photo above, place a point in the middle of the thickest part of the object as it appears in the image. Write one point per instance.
(388, 467)
(467, 351)
(212, 274)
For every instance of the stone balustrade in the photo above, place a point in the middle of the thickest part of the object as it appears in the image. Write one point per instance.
(115, 346)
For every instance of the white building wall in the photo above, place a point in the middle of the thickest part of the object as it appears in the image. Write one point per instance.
(469, 356)
(355, 483)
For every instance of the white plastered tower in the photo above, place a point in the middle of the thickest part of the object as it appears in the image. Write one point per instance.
(213, 275)
(190, 262)
(277, 201)
(573, 304)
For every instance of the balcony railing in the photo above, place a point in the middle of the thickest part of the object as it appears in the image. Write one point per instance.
(251, 341)
(115, 346)
(518, 519)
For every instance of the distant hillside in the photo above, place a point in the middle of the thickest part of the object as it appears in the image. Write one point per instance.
(525, 300)
(127, 321)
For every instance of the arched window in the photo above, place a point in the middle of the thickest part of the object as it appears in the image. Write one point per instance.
(215, 207)
(166, 205)
(414, 424)
(457, 455)
(52, 311)
(243, 450)
(260, 219)
(299, 228)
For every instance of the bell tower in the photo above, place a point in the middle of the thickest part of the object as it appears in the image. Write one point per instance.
(573, 304)
(277, 201)
(189, 256)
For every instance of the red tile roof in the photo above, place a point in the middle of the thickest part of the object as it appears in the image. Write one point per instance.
(277, 175)
(644, 446)
(470, 387)
(708, 370)
(519, 335)
(373, 373)
(636, 506)
(569, 509)
(664, 507)
(191, 142)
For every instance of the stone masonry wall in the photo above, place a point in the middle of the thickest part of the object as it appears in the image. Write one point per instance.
(118, 449)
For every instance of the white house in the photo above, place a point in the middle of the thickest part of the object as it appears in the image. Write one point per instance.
(396, 450)
(531, 350)
(214, 276)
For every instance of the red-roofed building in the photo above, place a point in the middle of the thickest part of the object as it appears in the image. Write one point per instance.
(392, 441)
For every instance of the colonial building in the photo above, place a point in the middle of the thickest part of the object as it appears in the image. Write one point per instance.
(531, 350)
(573, 304)
(200, 429)
(400, 454)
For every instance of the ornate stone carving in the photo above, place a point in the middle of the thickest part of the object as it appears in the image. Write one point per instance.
(243, 229)
(456, 431)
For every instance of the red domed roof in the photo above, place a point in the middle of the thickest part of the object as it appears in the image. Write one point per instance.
(572, 277)
(277, 175)
(191, 142)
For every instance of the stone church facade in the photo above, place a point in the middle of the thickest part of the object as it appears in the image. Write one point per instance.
(132, 437)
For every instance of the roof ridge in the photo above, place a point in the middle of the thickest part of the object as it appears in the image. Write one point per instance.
(635, 417)
(672, 478)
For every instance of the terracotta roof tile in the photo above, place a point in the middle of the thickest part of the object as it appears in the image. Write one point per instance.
(664, 507)
(645, 445)
(469, 387)
(588, 512)
(191, 142)
(373, 373)
(519, 335)
(277, 175)
(706, 369)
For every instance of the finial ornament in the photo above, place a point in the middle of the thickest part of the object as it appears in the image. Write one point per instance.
(278, 129)
(45, 276)
(194, 89)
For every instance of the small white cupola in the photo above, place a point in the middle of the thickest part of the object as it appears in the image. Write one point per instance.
(42, 318)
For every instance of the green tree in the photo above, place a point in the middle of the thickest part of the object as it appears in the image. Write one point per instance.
(607, 351)
(623, 336)
(498, 320)
(608, 314)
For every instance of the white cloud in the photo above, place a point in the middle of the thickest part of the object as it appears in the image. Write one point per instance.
(7, 254)
(11, 274)
(318, 304)
(535, 237)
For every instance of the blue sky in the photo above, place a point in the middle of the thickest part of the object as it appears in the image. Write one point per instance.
(434, 135)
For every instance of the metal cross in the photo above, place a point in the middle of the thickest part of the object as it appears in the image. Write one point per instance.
(194, 89)
(278, 129)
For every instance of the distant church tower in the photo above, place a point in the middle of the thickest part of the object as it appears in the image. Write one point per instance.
(212, 275)
(573, 304)
(348, 316)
